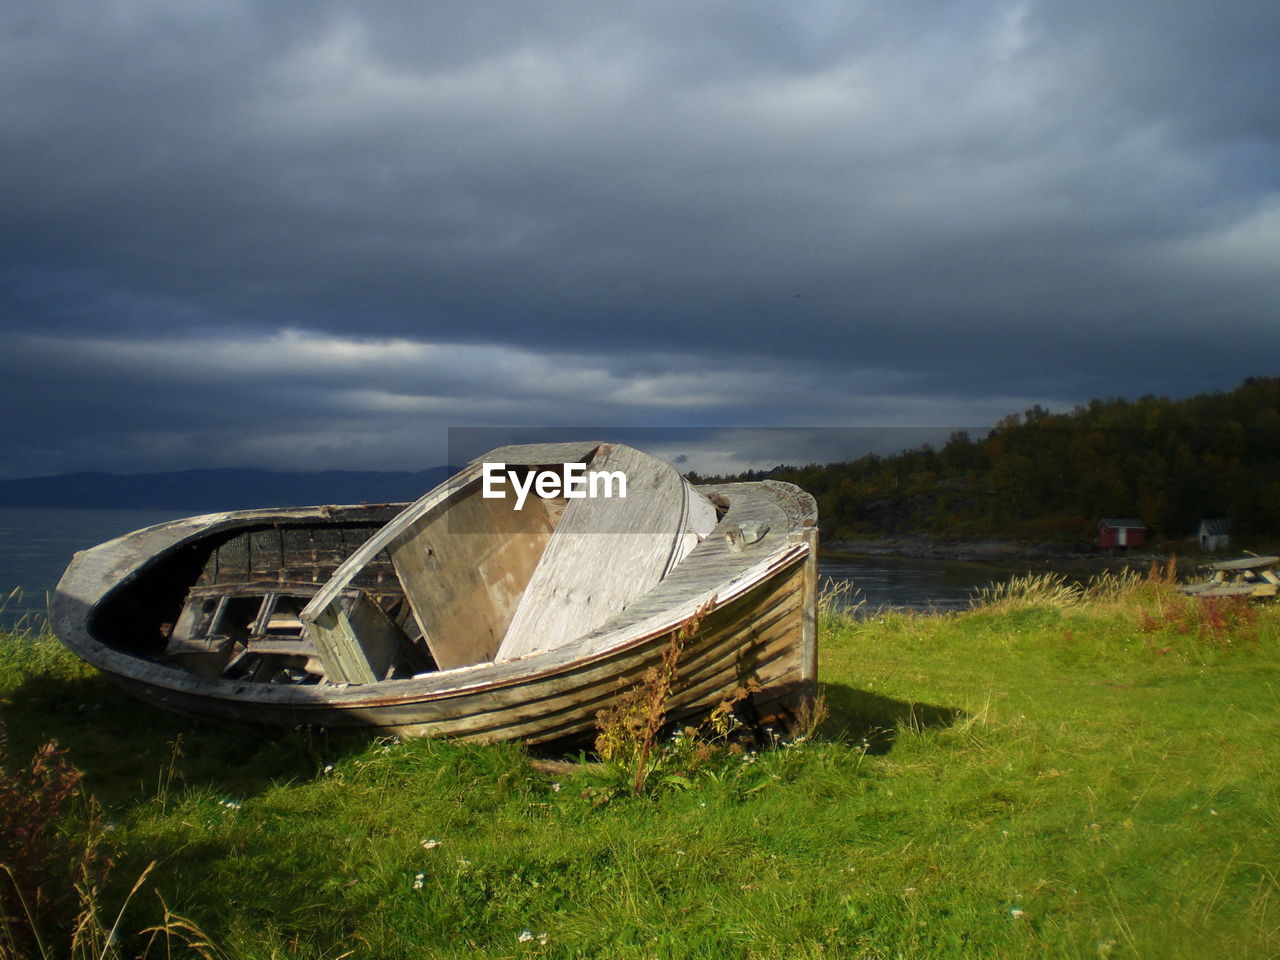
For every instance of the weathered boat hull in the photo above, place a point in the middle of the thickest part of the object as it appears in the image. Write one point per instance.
(117, 602)
(558, 704)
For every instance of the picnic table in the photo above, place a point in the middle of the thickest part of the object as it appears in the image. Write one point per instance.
(1255, 577)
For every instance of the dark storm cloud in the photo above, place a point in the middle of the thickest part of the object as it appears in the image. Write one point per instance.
(349, 225)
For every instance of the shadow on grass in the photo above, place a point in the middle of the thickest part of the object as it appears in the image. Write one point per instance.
(128, 750)
(859, 716)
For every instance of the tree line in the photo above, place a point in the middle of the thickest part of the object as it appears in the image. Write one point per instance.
(1170, 463)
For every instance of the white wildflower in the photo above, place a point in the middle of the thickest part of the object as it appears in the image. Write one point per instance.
(430, 844)
(526, 936)
(1017, 914)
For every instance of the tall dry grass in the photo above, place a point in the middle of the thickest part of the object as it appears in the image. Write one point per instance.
(1058, 591)
(55, 868)
(839, 600)
(28, 624)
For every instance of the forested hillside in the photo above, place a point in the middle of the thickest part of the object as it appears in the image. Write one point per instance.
(1053, 476)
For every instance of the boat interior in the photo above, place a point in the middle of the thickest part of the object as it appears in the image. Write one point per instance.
(454, 580)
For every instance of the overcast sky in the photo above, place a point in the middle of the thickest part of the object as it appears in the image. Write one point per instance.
(318, 234)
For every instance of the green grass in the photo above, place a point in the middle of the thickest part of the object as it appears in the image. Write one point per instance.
(1093, 778)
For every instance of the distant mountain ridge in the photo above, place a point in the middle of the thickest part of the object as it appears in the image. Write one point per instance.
(218, 489)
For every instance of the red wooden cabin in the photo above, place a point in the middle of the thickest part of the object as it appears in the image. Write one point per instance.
(1121, 532)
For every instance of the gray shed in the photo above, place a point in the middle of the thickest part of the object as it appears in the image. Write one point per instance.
(1213, 534)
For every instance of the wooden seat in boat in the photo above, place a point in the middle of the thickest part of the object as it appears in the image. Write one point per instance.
(230, 629)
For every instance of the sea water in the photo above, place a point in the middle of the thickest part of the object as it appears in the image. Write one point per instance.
(36, 544)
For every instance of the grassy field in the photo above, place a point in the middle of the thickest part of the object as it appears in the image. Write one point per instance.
(1049, 775)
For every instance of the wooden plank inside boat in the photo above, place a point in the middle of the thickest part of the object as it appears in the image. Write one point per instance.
(606, 552)
(465, 568)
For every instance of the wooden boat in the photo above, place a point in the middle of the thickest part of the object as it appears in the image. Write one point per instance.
(460, 615)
